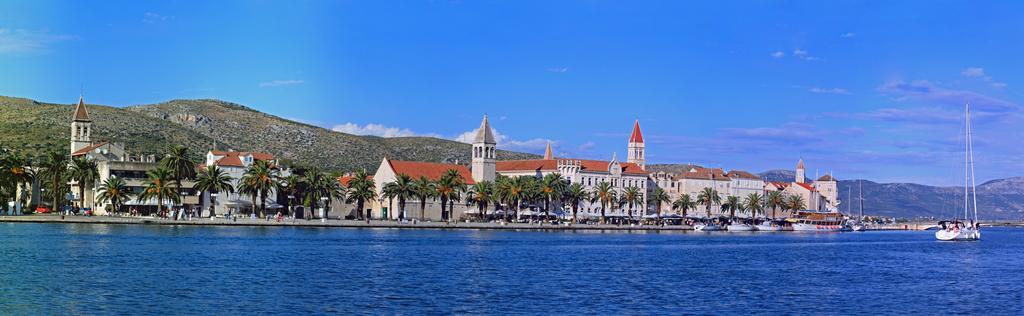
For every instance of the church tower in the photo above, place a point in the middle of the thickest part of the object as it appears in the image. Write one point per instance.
(81, 127)
(635, 152)
(547, 153)
(801, 172)
(484, 153)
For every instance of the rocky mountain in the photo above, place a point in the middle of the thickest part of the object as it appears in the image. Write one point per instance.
(37, 128)
(1001, 199)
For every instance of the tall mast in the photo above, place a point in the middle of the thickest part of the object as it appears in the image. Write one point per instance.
(970, 146)
(860, 192)
(967, 158)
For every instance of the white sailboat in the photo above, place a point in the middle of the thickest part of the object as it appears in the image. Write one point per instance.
(859, 226)
(968, 228)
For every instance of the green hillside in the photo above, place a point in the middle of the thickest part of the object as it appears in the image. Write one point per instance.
(36, 128)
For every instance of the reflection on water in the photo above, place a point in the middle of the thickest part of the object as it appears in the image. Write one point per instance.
(122, 269)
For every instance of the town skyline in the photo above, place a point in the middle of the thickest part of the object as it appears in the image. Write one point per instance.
(577, 75)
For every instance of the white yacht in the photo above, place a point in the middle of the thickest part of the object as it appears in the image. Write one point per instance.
(957, 229)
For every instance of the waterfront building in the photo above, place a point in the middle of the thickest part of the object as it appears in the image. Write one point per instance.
(234, 164)
(113, 160)
(388, 172)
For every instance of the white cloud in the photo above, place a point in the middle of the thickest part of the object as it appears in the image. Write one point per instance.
(536, 145)
(803, 54)
(778, 54)
(28, 41)
(829, 90)
(978, 72)
(278, 83)
(848, 35)
(153, 18)
(376, 130)
(558, 69)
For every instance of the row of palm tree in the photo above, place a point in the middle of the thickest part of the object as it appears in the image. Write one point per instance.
(753, 203)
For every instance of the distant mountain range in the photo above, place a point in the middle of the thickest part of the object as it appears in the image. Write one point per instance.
(37, 128)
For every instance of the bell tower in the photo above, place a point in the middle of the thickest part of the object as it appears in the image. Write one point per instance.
(484, 163)
(81, 127)
(635, 151)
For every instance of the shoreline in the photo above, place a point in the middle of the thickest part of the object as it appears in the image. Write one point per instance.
(336, 223)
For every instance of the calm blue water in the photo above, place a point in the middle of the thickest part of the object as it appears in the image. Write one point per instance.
(124, 269)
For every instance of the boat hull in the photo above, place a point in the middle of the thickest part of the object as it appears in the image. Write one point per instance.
(768, 228)
(802, 227)
(740, 228)
(966, 234)
(707, 228)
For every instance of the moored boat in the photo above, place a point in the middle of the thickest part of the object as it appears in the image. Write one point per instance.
(814, 221)
(956, 230)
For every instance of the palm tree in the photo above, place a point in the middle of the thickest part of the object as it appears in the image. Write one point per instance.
(775, 200)
(424, 189)
(158, 186)
(481, 193)
(115, 191)
(401, 189)
(180, 166)
(754, 203)
(708, 197)
(683, 203)
(552, 186)
(659, 197)
(55, 173)
(604, 194)
(361, 189)
(17, 171)
(795, 203)
(321, 187)
(260, 178)
(213, 180)
(449, 189)
(732, 204)
(85, 172)
(575, 194)
(632, 196)
(290, 185)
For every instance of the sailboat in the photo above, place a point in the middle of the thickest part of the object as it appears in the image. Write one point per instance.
(958, 229)
(859, 226)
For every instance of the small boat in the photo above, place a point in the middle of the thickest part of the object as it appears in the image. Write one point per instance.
(740, 228)
(857, 227)
(771, 226)
(814, 221)
(956, 230)
(703, 227)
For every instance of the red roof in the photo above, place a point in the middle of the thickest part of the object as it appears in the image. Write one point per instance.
(234, 158)
(705, 174)
(807, 186)
(345, 179)
(552, 165)
(230, 161)
(780, 185)
(432, 171)
(87, 149)
(637, 136)
(742, 175)
(81, 114)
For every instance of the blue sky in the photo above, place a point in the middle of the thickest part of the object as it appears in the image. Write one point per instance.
(866, 89)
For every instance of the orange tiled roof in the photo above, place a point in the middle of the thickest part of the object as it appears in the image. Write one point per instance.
(705, 174)
(87, 149)
(827, 177)
(552, 165)
(432, 171)
(230, 161)
(807, 186)
(779, 185)
(742, 175)
(345, 179)
(234, 158)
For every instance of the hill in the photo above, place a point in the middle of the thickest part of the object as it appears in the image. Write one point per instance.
(37, 128)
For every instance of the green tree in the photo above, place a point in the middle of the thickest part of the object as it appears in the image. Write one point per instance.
(795, 203)
(290, 185)
(178, 163)
(449, 189)
(552, 187)
(659, 197)
(732, 204)
(424, 189)
(55, 174)
(261, 179)
(401, 189)
(321, 187)
(85, 172)
(775, 200)
(361, 189)
(158, 187)
(214, 180)
(754, 203)
(632, 196)
(481, 194)
(708, 197)
(684, 203)
(575, 194)
(605, 195)
(115, 191)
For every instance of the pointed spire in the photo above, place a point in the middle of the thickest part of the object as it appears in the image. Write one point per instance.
(484, 133)
(800, 165)
(81, 114)
(636, 136)
(547, 153)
